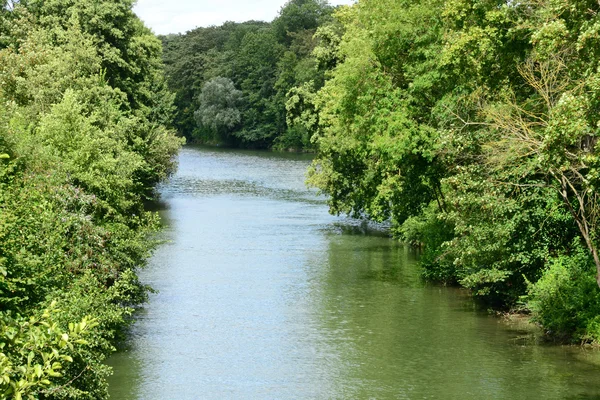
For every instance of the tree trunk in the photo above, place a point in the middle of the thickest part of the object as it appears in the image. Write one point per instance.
(597, 261)
(581, 220)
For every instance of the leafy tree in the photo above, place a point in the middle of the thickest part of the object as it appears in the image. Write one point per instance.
(256, 65)
(300, 15)
(80, 149)
(200, 55)
(375, 158)
(472, 126)
(130, 53)
(219, 107)
(553, 135)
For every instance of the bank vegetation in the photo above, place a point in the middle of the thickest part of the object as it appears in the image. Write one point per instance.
(84, 138)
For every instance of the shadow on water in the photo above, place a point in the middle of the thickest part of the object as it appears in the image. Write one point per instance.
(156, 204)
(360, 227)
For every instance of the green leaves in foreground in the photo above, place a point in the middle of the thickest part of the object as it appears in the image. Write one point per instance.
(33, 352)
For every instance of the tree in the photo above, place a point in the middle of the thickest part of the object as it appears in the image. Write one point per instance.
(299, 15)
(553, 135)
(83, 138)
(256, 71)
(377, 151)
(219, 107)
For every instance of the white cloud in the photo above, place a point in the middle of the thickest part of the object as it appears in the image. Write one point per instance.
(179, 16)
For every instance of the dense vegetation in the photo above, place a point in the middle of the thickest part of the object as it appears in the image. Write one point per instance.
(472, 125)
(84, 137)
(243, 84)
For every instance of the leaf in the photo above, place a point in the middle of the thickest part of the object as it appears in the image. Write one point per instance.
(67, 358)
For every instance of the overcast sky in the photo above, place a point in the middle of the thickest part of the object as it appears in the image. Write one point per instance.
(179, 16)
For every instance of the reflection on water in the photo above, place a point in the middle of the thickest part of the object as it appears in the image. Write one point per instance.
(263, 295)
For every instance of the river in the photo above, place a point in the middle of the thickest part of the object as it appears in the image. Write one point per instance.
(264, 295)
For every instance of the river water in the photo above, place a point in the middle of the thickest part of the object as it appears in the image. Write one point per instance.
(264, 295)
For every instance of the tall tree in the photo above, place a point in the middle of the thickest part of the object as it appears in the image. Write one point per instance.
(299, 15)
(219, 110)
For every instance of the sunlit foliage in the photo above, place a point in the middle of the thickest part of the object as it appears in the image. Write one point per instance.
(84, 137)
(472, 126)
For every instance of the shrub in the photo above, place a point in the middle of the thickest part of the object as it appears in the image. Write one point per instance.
(565, 299)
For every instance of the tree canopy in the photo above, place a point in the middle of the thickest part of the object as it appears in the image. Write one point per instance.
(472, 126)
(264, 61)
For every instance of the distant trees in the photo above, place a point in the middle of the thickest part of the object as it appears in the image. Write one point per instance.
(297, 16)
(219, 107)
(263, 60)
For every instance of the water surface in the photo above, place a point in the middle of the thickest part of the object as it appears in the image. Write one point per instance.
(263, 295)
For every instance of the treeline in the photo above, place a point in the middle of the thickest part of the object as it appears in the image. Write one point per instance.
(473, 126)
(242, 84)
(84, 137)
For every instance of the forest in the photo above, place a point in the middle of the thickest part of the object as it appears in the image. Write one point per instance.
(469, 125)
(249, 84)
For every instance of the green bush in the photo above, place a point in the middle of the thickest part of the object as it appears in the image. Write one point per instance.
(429, 232)
(565, 299)
(295, 137)
(36, 352)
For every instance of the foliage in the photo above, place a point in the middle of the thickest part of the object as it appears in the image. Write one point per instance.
(431, 232)
(299, 15)
(33, 353)
(374, 159)
(256, 67)
(267, 62)
(219, 107)
(472, 126)
(84, 137)
(565, 299)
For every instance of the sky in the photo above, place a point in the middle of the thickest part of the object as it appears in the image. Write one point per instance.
(179, 16)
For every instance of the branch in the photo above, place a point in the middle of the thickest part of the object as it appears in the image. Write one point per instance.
(56, 389)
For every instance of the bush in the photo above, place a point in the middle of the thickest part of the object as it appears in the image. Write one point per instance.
(565, 299)
(430, 232)
(295, 137)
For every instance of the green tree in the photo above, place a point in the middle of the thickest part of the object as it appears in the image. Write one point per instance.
(300, 15)
(256, 64)
(79, 151)
(377, 154)
(219, 107)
